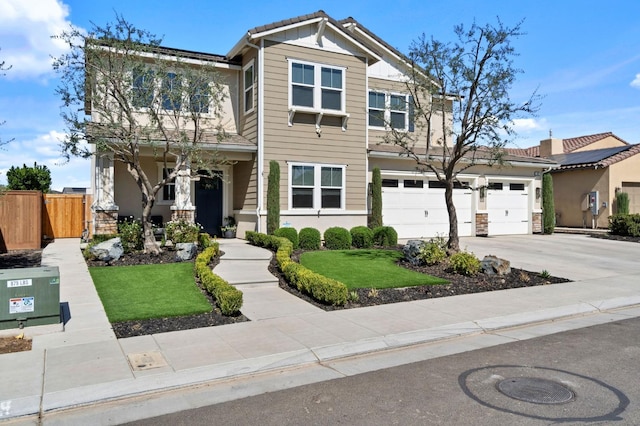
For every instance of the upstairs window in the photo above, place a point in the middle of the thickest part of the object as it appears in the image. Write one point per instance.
(317, 87)
(143, 83)
(390, 111)
(248, 87)
(199, 101)
(171, 92)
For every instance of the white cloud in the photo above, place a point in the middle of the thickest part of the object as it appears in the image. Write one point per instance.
(636, 82)
(528, 124)
(26, 28)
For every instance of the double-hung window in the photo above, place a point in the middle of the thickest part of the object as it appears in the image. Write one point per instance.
(390, 110)
(143, 87)
(317, 87)
(248, 76)
(199, 99)
(171, 92)
(168, 192)
(315, 186)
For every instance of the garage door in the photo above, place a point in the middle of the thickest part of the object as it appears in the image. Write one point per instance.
(633, 189)
(508, 208)
(416, 208)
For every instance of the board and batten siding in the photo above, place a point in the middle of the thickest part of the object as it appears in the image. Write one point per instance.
(300, 143)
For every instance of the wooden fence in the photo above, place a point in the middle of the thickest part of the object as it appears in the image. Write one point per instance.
(20, 220)
(28, 217)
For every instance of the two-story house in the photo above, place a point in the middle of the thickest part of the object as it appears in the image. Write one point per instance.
(317, 95)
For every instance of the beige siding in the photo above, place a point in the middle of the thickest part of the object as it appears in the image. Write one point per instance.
(627, 171)
(248, 123)
(300, 143)
(244, 185)
(569, 191)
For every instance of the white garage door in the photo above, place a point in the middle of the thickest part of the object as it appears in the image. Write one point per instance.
(508, 208)
(416, 208)
(633, 190)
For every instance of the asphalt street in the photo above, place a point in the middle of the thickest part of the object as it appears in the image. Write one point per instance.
(597, 365)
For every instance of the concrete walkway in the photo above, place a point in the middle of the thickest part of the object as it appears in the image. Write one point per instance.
(288, 342)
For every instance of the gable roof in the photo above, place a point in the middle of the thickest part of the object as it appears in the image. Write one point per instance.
(283, 25)
(596, 158)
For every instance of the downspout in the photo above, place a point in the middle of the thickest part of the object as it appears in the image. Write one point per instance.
(260, 118)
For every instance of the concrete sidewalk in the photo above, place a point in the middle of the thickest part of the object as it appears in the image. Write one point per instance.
(86, 364)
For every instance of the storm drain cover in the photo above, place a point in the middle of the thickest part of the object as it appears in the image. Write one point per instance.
(146, 361)
(538, 391)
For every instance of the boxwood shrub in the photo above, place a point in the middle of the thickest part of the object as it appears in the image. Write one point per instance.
(385, 236)
(309, 239)
(290, 234)
(625, 225)
(337, 238)
(361, 237)
(464, 263)
(228, 298)
(319, 287)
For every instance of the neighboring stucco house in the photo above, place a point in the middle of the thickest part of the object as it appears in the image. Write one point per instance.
(315, 94)
(601, 163)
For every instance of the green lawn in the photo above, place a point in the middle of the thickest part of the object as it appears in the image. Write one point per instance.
(365, 268)
(149, 291)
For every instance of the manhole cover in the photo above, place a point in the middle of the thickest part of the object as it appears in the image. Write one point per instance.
(538, 391)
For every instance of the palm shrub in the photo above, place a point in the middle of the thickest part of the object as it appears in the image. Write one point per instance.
(273, 197)
(337, 238)
(385, 236)
(361, 237)
(376, 199)
(548, 208)
(309, 239)
(290, 234)
(622, 203)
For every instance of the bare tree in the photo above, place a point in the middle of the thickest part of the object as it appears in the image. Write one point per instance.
(3, 68)
(461, 106)
(127, 96)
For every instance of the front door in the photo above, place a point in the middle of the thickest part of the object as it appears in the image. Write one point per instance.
(209, 204)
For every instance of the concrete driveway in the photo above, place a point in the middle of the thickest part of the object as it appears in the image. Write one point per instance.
(576, 257)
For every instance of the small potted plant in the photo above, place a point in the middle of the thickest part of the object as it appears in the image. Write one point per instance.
(229, 227)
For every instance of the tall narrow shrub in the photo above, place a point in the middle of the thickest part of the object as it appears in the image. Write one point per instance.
(548, 208)
(622, 203)
(273, 197)
(376, 199)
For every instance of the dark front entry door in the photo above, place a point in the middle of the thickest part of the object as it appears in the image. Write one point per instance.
(209, 204)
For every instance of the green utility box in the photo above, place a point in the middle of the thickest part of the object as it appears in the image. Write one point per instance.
(29, 296)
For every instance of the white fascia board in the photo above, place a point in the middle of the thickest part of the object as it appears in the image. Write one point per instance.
(192, 61)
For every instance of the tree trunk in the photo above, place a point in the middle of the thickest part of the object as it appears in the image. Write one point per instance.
(150, 244)
(453, 246)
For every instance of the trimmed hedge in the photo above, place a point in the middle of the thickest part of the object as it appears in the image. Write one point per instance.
(321, 288)
(361, 237)
(309, 239)
(337, 238)
(625, 224)
(290, 234)
(229, 298)
(385, 236)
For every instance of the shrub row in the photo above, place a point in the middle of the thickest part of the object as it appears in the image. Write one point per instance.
(338, 238)
(321, 288)
(229, 298)
(625, 225)
(434, 252)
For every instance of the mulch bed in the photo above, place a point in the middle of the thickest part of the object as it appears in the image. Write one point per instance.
(459, 284)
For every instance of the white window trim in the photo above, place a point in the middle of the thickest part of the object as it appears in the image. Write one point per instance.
(185, 102)
(387, 110)
(317, 88)
(249, 88)
(160, 199)
(317, 188)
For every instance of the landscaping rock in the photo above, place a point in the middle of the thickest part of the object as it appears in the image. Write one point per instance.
(411, 251)
(108, 251)
(492, 265)
(185, 251)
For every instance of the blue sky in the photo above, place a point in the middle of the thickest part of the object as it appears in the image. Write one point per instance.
(583, 56)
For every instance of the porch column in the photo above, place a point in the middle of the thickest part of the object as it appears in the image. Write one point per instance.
(183, 208)
(104, 208)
